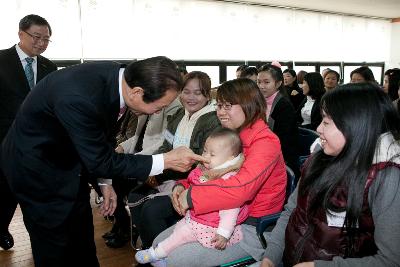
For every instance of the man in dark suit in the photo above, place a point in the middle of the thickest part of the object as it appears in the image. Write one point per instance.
(64, 136)
(15, 84)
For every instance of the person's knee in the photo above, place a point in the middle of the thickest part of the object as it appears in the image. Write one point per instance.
(149, 211)
(174, 259)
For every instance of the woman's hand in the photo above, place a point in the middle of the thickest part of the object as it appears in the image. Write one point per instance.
(266, 263)
(175, 197)
(305, 264)
(183, 204)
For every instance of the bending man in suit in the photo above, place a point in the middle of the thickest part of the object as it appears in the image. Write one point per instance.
(34, 35)
(64, 136)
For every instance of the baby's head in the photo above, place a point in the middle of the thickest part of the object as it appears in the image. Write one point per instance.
(221, 145)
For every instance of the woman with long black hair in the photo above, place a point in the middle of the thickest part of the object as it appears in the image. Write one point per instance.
(346, 209)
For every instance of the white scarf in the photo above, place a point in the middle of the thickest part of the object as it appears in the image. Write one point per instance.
(185, 127)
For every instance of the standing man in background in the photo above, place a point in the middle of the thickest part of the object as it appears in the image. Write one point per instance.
(21, 67)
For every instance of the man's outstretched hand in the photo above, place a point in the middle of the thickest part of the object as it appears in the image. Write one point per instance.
(181, 159)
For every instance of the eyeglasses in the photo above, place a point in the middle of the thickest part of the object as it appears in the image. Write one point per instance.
(37, 39)
(225, 106)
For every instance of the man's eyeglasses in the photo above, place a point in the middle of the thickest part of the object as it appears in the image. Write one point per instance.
(225, 106)
(37, 39)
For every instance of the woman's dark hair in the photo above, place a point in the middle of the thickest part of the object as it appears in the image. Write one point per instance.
(316, 84)
(300, 76)
(204, 82)
(398, 102)
(244, 92)
(155, 76)
(365, 72)
(361, 112)
(26, 22)
(394, 79)
(242, 67)
(292, 73)
(182, 69)
(276, 74)
(334, 72)
(249, 71)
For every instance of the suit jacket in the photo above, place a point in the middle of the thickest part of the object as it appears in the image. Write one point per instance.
(14, 86)
(66, 127)
(282, 122)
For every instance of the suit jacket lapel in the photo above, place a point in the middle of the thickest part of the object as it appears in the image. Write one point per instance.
(42, 69)
(271, 121)
(112, 107)
(22, 87)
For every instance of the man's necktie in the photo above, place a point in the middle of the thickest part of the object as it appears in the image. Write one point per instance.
(139, 143)
(29, 72)
(121, 112)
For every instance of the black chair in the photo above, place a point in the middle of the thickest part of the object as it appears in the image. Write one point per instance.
(266, 222)
(270, 220)
(306, 139)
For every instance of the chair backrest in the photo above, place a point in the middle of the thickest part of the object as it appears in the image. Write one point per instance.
(306, 139)
(291, 182)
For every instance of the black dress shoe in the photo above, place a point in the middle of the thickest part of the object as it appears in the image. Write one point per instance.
(118, 241)
(112, 233)
(6, 241)
(109, 235)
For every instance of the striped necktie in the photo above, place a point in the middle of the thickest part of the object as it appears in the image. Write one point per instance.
(29, 72)
(121, 112)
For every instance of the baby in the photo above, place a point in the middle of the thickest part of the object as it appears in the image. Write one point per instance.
(215, 229)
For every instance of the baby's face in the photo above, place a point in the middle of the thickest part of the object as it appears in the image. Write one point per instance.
(217, 151)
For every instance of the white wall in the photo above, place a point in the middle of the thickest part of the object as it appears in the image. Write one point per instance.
(394, 57)
(200, 30)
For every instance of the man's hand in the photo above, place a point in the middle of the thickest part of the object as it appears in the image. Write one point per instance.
(219, 242)
(181, 159)
(110, 200)
(119, 149)
(183, 204)
(175, 197)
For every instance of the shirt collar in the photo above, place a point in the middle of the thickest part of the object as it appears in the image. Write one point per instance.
(121, 98)
(271, 98)
(22, 55)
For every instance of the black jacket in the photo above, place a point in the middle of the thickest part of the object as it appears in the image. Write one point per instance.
(65, 128)
(14, 86)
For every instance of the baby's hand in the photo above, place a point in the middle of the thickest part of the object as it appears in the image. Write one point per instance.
(219, 241)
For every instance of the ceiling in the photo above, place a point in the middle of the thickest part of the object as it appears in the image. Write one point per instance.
(374, 8)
